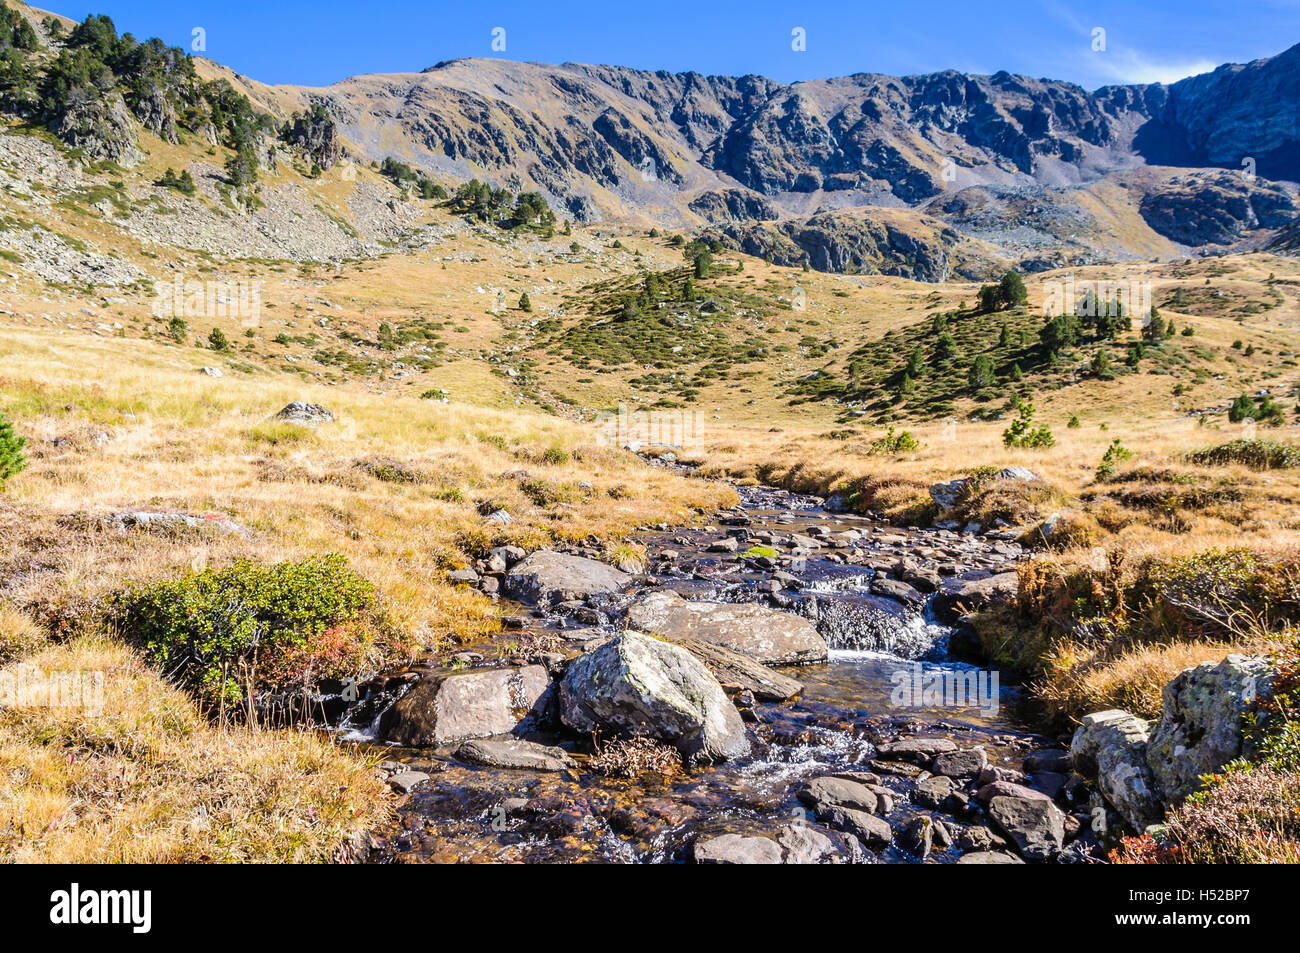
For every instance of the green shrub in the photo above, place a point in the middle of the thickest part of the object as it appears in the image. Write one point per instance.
(220, 633)
(1022, 434)
(556, 456)
(894, 443)
(1256, 454)
(1116, 453)
(11, 451)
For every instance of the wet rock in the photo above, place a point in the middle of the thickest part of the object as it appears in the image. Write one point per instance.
(989, 857)
(304, 414)
(728, 544)
(1056, 761)
(873, 831)
(917, 837)
(805, 844)
(638, 684)
(456, 707)
(914, 750)
(933, 791)
(405, 781)
(988, 792)
(738, 668)
(978, 838)
(896, 589)
(735, 849)
(515, 753)
(1111, 746)
(991, 773)
(959, 764)
(769, 636)
(957, 597)
(1199, 728)
(547, 577)
(822, 794)
(859, 620)
(1035, 826)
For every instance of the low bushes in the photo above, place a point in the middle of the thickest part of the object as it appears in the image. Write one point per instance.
(1256, 454)
(222, 633)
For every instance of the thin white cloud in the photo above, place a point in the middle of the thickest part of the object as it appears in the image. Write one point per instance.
(1128, 65)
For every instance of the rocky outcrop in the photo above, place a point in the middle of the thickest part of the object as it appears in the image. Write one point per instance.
(1217, 208)
(99, 124)
(1111, 746)
(305, 414)
(635, 684)
(444, 709)
(1200, 725)
(767, 635)
(733, 205)
(317, 135)
(1142, 769)
(547, 577)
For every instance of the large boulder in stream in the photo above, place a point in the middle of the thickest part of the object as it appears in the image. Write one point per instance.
(635, 684)
(444, 709)
(1199, 728)
(767, 635)
(547, 577)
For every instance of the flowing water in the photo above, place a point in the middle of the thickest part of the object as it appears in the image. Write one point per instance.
(887, 672)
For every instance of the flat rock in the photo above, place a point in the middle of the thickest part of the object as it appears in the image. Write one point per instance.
(966, 763)
(737, 668)
(735, 849)
(547, 577)
(515, 753)
(769, 636)
(914, 750)
(989, 857)
(821, 794)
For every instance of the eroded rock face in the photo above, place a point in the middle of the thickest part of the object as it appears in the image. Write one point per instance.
(476, 704)
(635, 684)
(1111, 746)
(547, 577)
(766, 635)
(1199, 728)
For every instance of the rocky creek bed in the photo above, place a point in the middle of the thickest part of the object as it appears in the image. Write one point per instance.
(798, 659)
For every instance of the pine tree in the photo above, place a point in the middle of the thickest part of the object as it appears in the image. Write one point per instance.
(218, 340)
(11, 451)
(524, 303)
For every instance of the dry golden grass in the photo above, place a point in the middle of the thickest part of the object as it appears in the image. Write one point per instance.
(149, 780)
(1080, 679)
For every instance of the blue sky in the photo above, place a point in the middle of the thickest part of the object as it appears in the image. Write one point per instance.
(317, 43)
